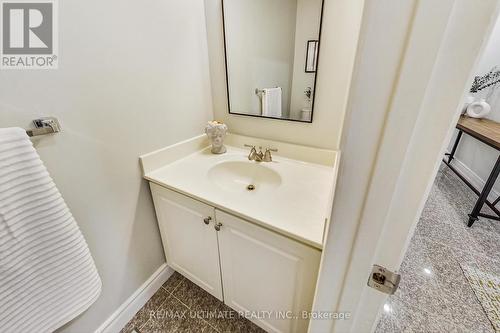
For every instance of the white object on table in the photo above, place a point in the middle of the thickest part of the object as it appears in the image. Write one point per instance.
(478, 109)
(467, 101)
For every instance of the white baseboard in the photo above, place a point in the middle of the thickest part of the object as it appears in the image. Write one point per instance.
(134, 303)
(472, 177)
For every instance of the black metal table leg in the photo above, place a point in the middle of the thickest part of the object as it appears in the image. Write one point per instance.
(455, 145)
(473, 216)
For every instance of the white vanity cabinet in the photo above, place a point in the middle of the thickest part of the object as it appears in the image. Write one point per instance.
(189, 239)
(265, 271)
(261, 272)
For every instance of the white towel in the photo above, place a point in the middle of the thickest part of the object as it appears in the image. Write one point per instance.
(47, 275)
(271, 102)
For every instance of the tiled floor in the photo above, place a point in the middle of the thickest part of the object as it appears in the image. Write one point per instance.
(434, 295)
(181, 306)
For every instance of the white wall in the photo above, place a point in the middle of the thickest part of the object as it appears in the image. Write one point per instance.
(307, 28)
(339, 41)
(125, 71)
(260, 40)
(477, 156)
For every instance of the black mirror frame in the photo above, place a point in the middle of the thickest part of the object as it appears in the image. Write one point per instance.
(315, 76)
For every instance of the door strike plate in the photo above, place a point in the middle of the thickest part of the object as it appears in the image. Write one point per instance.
(383, 280)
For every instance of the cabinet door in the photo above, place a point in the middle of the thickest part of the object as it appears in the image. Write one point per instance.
(190, 244)
(264, 271)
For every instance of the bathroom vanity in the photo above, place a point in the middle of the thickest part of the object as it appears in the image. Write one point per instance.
(249, 233)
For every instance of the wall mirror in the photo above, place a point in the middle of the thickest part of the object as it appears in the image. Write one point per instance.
(271, 50)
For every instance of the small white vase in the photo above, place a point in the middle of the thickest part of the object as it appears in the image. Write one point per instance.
(478, 109)
(467, 101)
(216, 131)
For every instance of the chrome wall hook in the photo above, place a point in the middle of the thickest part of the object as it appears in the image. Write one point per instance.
(46, 125)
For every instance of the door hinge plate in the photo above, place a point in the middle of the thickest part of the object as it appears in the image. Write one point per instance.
(383, 280)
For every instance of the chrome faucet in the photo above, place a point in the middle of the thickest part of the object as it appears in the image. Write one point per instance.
(260, 156)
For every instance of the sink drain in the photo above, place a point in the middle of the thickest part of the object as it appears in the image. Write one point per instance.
(251, 187)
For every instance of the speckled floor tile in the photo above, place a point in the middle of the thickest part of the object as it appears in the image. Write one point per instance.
(180, 306)
(216, 313)
(173, 316)
(387, 324)
(485, 241)
(142, 316)
(408, 318)
(434, 295)
(418, 280)
(173, 282)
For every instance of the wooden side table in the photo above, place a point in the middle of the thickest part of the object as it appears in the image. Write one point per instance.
(488, 132)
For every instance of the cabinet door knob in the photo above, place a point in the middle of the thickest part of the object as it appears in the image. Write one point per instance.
(217, 226)
(207, 220)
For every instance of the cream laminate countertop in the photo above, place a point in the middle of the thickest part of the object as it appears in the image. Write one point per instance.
(296, 204)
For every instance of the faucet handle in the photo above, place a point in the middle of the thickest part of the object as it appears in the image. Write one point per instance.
(253, 152)
(267, 156)
(249, 146)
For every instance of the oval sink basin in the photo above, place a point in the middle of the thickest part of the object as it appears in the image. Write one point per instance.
(237, 176)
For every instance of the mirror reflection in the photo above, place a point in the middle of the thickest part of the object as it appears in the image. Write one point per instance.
(271, 49)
